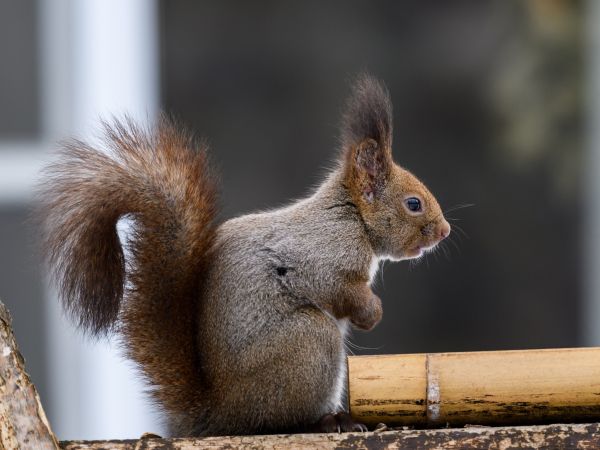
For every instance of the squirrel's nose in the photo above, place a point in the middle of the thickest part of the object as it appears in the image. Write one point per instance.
(444, 229)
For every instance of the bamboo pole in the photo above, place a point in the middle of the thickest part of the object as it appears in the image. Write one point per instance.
(486, 388)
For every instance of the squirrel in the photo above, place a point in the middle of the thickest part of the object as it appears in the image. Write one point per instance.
(237, 327)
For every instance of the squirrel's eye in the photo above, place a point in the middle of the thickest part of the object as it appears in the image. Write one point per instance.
(413, 204)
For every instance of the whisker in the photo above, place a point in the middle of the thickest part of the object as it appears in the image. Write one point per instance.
(358, 347)
(457, 227)
(434, 252)
(461, 230)
(454, 244)
(445, 250)
(440, 248)
(458, 236)
(449, 252)
(461, 206)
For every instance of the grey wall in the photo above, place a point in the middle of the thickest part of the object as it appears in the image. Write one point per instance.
(19, 87)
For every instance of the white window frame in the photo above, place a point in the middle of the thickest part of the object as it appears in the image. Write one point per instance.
(98, 58)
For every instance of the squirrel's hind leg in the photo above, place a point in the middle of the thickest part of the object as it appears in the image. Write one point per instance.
(284, 380)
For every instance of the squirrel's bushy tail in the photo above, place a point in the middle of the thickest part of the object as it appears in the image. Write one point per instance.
(160, 178)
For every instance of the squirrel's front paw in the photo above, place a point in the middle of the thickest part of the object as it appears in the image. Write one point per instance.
(368, 314)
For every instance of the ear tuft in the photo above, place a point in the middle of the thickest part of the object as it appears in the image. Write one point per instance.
(366, 138)
(368, 114)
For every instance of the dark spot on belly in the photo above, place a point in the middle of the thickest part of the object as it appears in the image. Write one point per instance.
(281, 271)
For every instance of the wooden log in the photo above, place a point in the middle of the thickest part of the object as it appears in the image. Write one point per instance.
(526, 437)
(487, 388)
(23, 423)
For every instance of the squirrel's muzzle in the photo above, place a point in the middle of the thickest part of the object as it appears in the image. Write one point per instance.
(444, 229)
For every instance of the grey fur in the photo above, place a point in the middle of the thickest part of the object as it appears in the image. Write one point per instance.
(270, 335)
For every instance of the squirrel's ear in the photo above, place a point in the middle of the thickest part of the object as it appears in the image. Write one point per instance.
(366, 137)
(367, 169)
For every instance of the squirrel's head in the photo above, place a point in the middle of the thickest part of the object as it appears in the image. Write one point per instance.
(402, 218)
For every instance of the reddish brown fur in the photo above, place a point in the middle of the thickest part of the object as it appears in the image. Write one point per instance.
(84, 195)
(378, 186)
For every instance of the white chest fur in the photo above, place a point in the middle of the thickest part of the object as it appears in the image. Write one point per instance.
(336, 399)
(374, 268)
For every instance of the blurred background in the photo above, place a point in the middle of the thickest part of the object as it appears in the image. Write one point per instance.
(496, 105)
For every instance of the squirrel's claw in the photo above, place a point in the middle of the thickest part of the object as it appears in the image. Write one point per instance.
(338, 423)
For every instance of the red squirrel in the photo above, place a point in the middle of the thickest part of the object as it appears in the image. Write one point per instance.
(238, 327)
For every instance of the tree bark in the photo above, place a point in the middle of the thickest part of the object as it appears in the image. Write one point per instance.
(529, 437)
(23, 423)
